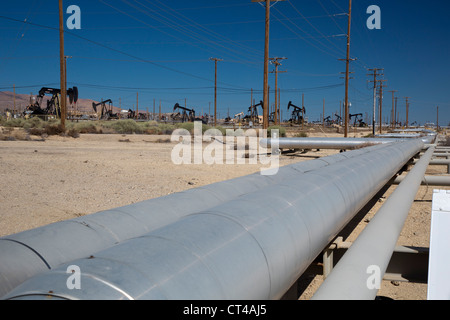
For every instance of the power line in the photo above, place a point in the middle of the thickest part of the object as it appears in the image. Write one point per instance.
(303, 38)
(315, 28)
(116, 50)
(174, 25)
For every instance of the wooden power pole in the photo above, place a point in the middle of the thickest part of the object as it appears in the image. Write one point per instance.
(381, 104)
(266, 64)
(215, 88)
(137, 106)
(347, 71)
(277, 63)
(375, 81)
(407, 112)
(393, 108)
(437, 119)
(61, 66)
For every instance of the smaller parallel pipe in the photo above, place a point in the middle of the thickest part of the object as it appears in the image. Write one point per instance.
(325, 143)
(441, 155)
(438, 181)
(357, 276)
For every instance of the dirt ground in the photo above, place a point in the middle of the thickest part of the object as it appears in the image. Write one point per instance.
(58, 178)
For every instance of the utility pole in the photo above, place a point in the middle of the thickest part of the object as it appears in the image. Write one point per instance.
(437, 119)
(153, 115)
(381, 104)
(159, 110)
(61, 67)
(14, 110)
(303, 108)
(215, 88)
(65, 71)
(375, 81)
(266, 64)
(280, 120)
(277, 63)
(407, 112)
(323, 116)
(396, 115)
(137, 106)
(393, 108)
(347, 60)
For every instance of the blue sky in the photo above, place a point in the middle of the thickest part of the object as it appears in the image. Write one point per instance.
(161, 49)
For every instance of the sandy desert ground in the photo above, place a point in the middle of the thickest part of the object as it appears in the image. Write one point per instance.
(62, 177)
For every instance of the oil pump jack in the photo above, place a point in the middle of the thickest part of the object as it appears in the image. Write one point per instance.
(338, 119)
(252, 113)
(272, 116)
(361, 123)
(106, 112)
(53, 105)
(187, 115)
(298, 114)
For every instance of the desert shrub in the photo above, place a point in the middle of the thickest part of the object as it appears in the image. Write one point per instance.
(34, 122)
(53, 129)
(36, 131)
(17, 123)
(127, 126)
(301, 135)
(84, 127)
(165, 128)
(13, 135)
(189, 126)
(73, 133)
(152, 130)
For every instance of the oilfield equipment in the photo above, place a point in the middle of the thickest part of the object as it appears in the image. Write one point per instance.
(186, 115)
(297, 115)
(106, 111)
(53, 105)
(272, 116)
(251, 237)
(238, 116)
(358, 118)
(252, 114)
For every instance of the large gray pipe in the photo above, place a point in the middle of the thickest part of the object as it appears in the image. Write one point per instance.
(28, 253)
(358, 274)
(252, 247)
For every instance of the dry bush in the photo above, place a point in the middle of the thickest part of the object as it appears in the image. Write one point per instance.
(13, 135)
(73, 133)
(54, 129)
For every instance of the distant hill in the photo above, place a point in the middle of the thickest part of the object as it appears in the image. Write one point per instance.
(23, 100)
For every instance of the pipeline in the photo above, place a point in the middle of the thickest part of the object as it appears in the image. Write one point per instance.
(372, 250)
(31, 252)
(436, 181)
(252, 247)
(334, 143)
